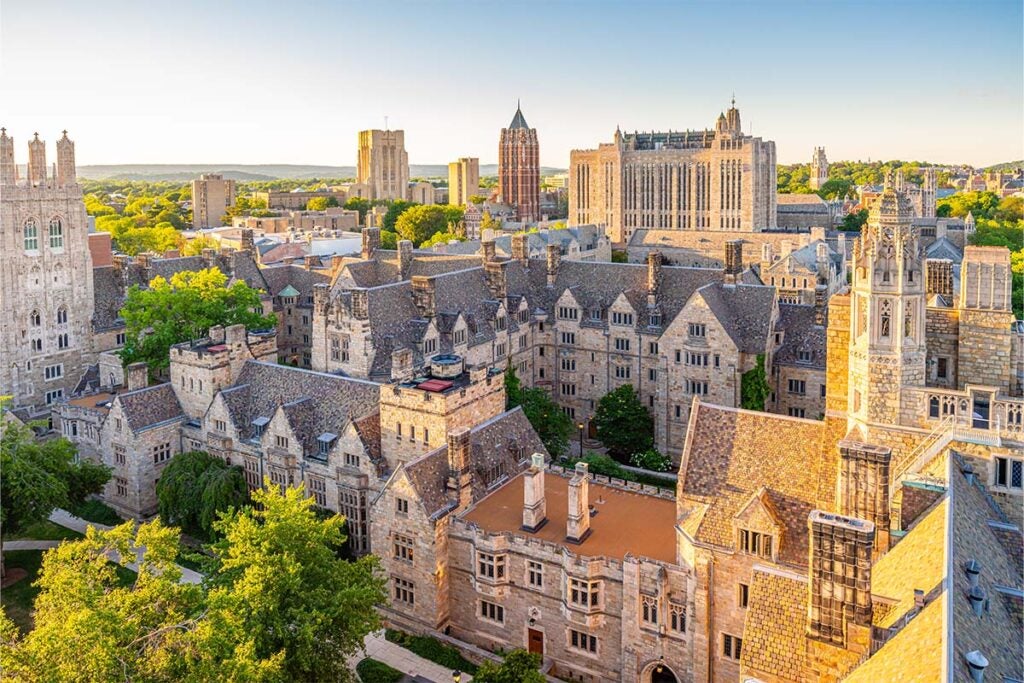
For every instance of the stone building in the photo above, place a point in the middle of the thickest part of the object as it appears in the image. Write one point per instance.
(709, 180)
(519, 168)
(802, 212)
(819, 168)
(580, 243)
(798, 269)
(212, 196)
(383, 164)
(421, 192)
(46, 276)
(296, 200)
(463, 180)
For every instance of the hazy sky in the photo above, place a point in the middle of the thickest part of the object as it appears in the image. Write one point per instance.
(292, 82)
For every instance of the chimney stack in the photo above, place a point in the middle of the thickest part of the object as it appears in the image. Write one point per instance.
(577, 526)
(839, 604)
(488, 249)
(404, 259)
(247, 242)
(371, 242)
(554, 256)
(423, 295)
(210, 257)
(820, 305)
(401, 365)
(863, 486)
(733, 260)
(767, 253)
(534, 505)
(654, 260)
(137, 376)
(520, 250)
(360, 304)
(497, 281)
(939, 278)
(459, 474)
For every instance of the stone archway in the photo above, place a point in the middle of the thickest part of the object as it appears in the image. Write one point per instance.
(658, 672)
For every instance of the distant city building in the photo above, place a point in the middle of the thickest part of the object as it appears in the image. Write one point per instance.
(297, 200)
(463, 180)
(519, 168)
(819, 168)
(383, 164)
(709, 180)
(421, 192)
(801, 212)
(212, 195)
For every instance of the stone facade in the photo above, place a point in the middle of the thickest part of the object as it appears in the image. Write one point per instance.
(212, 196)
(463, 180)
(819, 168)
(46, 277)
(711, 180)
(383, 164)
(519, 169)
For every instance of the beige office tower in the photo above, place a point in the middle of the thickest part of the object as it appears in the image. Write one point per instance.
(211, 197)
(463, 180)
(383, 164)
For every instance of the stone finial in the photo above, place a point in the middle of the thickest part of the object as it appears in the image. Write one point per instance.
(578, 518)
(534, 502)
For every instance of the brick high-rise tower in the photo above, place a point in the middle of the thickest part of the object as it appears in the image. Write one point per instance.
(519, 168)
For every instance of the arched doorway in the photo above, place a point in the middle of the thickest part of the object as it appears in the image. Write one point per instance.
(658, 672)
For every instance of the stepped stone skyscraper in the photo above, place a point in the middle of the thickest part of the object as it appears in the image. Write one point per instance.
(383, 164)
(519, 168)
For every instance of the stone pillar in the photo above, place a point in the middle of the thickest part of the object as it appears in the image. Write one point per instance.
(577, 526)
(654, 260)
(36, 161)
(840, 576)
(423, 295)
(820, 305)
(8, 169)
(210, 257)
(733, 260)
(494, 272)
(534, 504)
(488, 249)
(371, 242)
(863, 486)
(520, 251)
(137, 376)
(404, 259)
(459, 474)
(401, 365)
(554, 256)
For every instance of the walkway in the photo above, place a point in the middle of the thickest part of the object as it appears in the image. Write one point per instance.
(397, 657)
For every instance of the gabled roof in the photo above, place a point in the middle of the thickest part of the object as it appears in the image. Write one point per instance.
(150, 406)
(800, 333)
(745, 312)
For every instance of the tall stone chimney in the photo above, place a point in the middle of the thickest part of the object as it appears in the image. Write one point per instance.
(210, 257)
(733, 260)
(520, 250)
(820, 305)
(136, 376)
(863, 487)
(554, 256)
(939, 278)
(654, 260)
(577, 525)
(839, 601)
(534, 504)
(423, 295)
(402, 369)
(371, 242)
(489, 250)
(497, 280)
(767, 253)
(247, 243)
(821, 258)
(404, 259)
(459, 474)
(360, 304)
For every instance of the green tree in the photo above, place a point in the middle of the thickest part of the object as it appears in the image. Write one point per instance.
(419, 223)
(388, 240)
(195, 488)
(623, 424)
(836, 188)
(395, 209)
(620, 256)
(519, 666)
(159, 239)
(184, 308)
(358, 204)
(95, 207)
(853, 222)
(477, 199)
(280, 581)
(551, 424)
(754, 388)
(38, 476)
(488, 222)
(321, 203)
(442, 238)
(195, 246)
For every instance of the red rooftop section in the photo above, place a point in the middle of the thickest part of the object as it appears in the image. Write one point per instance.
(436, 385)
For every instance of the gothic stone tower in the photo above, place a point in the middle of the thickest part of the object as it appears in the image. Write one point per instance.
(46, 285)
(887, 345)
(519, 168)
(819, 168)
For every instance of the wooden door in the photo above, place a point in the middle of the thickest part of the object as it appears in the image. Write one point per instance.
(535, 641)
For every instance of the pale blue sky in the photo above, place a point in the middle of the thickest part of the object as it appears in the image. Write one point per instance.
(292, 82)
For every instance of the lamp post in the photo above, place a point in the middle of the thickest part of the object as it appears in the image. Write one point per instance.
(579, 426)
(457, 676)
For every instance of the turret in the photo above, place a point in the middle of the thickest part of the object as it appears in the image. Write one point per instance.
(66, 173)
(36, 161)
(8, 169)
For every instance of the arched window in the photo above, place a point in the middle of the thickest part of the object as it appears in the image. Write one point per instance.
(62, 315)
(31, 235)
(56, 233)
(35, 319)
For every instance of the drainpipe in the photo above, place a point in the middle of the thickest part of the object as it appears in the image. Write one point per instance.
(711, 619)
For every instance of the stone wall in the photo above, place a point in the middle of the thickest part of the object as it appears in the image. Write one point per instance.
(984, 354)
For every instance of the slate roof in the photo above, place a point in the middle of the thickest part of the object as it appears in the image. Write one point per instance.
(108, 297)
(774, 639)
(518, 121)
(745, 311)
(150, 406)
(943, 248)
(800, 333)
(724, 465)
(507, 440)
(279, 278)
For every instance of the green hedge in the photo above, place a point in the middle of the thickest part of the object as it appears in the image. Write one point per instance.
(373, 671)
(432, 649)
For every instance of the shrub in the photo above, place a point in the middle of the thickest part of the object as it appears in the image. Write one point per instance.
(651, 459)
(373, 671)
(602, 464)
(432, 649)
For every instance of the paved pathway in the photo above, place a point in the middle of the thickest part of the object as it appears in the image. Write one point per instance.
(68, 520)
(30, 545)
(405, 661)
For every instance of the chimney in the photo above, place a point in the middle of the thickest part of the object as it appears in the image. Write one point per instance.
(821, 256)
(767, 255)
(863, 486)
(401, 365)
(939, 278)
(976, 596)
(817, 234)
(310, 261)
(210, 257)
(577, 526)
(976, 664)
(459, 474)
(805, 239)
(534, 505)
(144, 261)
(423, 295)
(321, 295)
(654, 260)
(520, 249)
(733, 260)
(839, 590)
(973, 571)
(119, 261)
(235, 335)
(497, 281)
(554, 255)
(247, 242)
(337, 261)
(488, 249)
(404, 259)
(820, 305)
(137, 376)
(371, 242)
(360, 304)
(216, 334)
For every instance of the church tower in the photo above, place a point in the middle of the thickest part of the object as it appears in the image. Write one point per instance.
(519, 168)
(887, 344)
(819, 168)
(928, 193)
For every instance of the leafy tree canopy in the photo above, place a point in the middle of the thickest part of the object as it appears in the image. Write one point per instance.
(195, 246)
(419, 223)
(853, 222)
(395, 209)
(321, 203)
(358, 204)
(184, 308)
(442, 238)
(623, 423)
(552, 425)
(195, 488)
(519, 666)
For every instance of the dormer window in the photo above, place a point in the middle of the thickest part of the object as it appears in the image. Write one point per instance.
(805, 356)
(756, 543)
(619, 318)
(568, 313)
(500, 323)
(524, 316)
(459, 337)
(429, 346)
(655, 319)
(258, 425)
(324, 443)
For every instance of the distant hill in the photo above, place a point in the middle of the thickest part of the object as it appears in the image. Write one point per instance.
(244, 172)
(1005, 166)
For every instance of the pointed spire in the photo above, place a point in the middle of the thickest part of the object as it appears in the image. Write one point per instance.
(518, 121)
(734, 100)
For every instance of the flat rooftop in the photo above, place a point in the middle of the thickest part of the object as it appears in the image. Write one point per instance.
(625, 522)
(93, 400)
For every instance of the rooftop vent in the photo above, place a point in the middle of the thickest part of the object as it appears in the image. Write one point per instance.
(976, 596)
(968, 473)
(973, 569)
(976, 664)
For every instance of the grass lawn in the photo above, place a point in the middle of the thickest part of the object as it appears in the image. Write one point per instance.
(46, 531)
(17, 599)
(96, 511)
